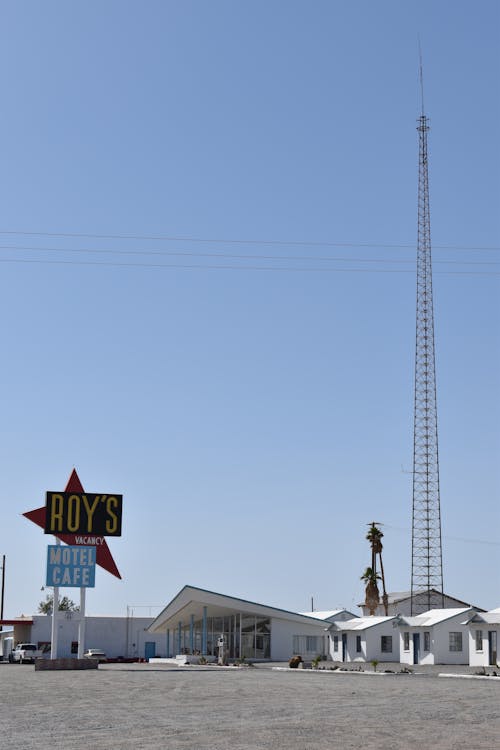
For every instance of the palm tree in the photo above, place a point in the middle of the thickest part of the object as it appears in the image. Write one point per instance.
(372, 596)
(374, 536)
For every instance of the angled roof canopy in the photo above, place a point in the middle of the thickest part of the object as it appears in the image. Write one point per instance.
(327, 614)
(191, 600)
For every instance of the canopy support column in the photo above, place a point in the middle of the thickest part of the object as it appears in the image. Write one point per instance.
(204, 633)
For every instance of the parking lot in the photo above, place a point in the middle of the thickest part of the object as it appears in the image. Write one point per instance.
(157, 706)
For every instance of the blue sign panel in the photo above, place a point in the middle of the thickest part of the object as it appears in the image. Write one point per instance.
(71, 566)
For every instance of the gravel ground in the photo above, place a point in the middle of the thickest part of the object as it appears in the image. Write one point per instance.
(145, 706)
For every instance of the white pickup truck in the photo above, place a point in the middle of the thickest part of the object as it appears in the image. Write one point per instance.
(24, 652)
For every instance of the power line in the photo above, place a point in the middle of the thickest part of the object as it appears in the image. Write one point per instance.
(205, 267)
(47, 261)
(239, 241)
(187, 253)
(489, 542)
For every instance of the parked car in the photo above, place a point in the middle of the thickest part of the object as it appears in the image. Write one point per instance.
(24, 652)
(95, 653)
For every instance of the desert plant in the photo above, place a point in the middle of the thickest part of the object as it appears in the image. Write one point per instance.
(374, 536)
(372, 596)
(65, 605)
(374, 663)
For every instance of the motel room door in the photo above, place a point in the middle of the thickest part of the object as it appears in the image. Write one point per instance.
(416, 647)
(149, 650)
(492, 647)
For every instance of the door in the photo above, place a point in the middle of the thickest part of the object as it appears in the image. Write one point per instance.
(416, 647)
(492, 647)
(344, 646)
(149, 650)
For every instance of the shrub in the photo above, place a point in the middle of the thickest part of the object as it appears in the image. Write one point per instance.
(294, 662)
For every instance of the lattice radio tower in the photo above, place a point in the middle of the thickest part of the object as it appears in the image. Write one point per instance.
(427, 559)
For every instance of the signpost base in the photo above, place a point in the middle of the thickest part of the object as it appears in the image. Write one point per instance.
(67, 663)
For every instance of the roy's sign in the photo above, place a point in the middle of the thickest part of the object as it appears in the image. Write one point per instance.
(83, 513)
(71, 566)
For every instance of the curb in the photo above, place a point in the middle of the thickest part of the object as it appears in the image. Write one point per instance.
(491, 678)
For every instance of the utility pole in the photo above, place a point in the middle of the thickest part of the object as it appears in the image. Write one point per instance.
(3, 590)
(427, 559)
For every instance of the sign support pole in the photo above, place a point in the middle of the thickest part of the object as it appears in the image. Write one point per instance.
(3, 589)
(61, 517)
(81, 625)
(55, 610)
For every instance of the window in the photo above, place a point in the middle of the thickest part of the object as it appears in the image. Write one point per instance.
(427, 641)
(311, 643)
(386, 644)
(455, 641)
(298, 644)
(358, 644)
(335, 643)
(406, 641)
(305, 644)
(479, 640)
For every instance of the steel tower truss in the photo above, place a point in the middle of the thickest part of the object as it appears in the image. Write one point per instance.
(427, 561)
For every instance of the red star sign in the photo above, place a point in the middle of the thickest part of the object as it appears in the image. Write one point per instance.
(103, 554)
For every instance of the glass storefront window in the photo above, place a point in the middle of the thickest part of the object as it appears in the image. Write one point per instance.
(246, 636)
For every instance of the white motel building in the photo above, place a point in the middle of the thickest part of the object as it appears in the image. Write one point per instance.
(192, 623)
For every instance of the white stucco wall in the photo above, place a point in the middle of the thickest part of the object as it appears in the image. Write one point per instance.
(439, 643)
(335, 655)
(478, 658)
(374, 642)
(351, 653)
(482, 658)
(117, 636)
(441, 646)
(283, 631)
(424, 657)
(371, 644)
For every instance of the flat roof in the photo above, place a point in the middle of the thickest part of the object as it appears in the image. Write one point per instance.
(362, 623)
(490, 618)
(434, 616)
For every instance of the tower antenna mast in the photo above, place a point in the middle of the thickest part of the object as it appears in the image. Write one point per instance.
(427, 558)
(421, 77)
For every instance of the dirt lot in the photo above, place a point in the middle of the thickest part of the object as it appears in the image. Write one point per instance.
(145, 706)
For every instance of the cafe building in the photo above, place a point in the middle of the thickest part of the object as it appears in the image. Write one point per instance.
(196, 619)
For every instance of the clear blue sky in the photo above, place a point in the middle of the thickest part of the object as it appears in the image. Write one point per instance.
(249, 391)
